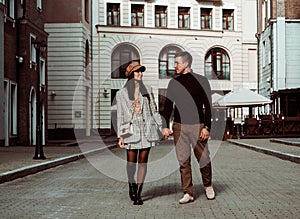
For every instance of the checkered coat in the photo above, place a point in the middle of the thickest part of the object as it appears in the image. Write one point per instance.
(125, 114)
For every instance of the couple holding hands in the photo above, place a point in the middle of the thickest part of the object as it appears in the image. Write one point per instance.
(189, 95)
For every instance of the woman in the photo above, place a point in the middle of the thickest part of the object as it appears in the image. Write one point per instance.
(135, 104)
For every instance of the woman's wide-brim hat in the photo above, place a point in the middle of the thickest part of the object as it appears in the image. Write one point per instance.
(134, 67)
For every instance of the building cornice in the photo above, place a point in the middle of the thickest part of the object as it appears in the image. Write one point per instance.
(158, 31)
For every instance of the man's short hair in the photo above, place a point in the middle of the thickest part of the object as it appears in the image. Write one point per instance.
(186, 56)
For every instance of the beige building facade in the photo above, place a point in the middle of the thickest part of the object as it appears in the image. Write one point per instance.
(220, 35)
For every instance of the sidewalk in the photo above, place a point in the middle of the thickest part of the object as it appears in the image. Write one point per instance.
(17, 161)
(285, 148)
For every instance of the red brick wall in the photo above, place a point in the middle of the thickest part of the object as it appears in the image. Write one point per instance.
(292, 9)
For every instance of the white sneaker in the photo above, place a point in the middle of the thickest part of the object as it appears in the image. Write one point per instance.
(186, 199)
(210, 193)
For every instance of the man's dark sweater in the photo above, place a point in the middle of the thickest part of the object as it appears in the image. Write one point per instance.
(191, 95)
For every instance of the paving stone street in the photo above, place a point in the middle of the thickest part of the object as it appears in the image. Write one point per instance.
(248, 184)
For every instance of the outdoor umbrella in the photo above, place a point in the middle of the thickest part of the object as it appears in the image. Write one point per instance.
(241, 97)
(215, 97)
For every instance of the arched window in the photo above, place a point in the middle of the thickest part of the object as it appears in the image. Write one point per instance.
(122, 56)
(166, 61)
(217, 64)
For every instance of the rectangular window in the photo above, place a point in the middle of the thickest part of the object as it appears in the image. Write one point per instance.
(269, 51)
(206, 18)
(13, 107)
(42, 73)
(137, 15)
(184, 17)
(263, 55)
(161, 16)
(39, 4)
(113, 14)
(11, 8)
(228, 19)
(87, 10)
(32, 51)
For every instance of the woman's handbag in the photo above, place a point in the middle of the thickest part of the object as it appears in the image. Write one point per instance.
(126, 130)
(152, 130)
(152, 127)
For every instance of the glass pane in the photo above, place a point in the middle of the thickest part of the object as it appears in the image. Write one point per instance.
(225, 58)
(133, 19)
(208, 71)
(171, 61)
(209, 22)
(187, 21)
(224, 23)
(163, 70)
(140, 19)
(180, 22)
(163, 20)
(109, 19)
(157, 20)
(230, 23)
(218, 63)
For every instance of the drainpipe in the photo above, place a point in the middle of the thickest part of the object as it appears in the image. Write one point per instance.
(92, 72)
(2, 98)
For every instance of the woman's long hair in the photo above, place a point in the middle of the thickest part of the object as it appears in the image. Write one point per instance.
(130, 85)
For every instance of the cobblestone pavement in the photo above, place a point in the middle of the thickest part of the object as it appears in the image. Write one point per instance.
(248, 184)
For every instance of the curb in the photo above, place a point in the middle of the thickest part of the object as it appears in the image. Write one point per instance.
(32, 169)
(284, 156)
(287, 142)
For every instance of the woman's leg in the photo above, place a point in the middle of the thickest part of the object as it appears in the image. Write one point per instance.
(142, 165)
(131, 164)
(142, 170)
(131, 168)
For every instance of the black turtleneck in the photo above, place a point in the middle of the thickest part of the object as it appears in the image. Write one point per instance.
(191, 95)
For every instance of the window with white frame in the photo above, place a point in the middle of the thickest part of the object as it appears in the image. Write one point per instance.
(42, 73)
(39, 4)
(11, 8)
(183, 17)
(217, 64)
(113, 14)
(32, 51)
(13, 109)
(269, 50)
(228, 19)
(263, 54)
(206, 18)
(161, 16)
(167, 60)
(87, 10)
(137, 15)
(122, 56)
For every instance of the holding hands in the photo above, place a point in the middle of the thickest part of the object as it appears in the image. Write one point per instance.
(166, 133)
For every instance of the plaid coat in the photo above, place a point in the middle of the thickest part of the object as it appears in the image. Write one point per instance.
(126, 113)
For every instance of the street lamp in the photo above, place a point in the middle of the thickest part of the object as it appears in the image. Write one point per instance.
(39, 153)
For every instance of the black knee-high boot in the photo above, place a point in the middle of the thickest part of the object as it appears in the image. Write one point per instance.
(132, 191)
(139, 200)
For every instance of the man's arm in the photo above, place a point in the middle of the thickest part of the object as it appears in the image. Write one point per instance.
(167, 112)
(168, 107)
(207, 104)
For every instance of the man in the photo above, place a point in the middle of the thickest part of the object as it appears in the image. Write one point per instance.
(190, 93)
